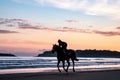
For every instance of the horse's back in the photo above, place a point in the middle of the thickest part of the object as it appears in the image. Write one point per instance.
(71, 51)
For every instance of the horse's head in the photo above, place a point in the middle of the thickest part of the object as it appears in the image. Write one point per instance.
(54, 48)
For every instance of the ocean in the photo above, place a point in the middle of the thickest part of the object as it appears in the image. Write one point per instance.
(17, 64)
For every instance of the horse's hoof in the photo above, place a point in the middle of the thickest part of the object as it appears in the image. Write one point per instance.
(73, 70)
(66, 70)
(59, 70)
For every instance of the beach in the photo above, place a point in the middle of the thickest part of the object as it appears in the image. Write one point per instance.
(54, 75)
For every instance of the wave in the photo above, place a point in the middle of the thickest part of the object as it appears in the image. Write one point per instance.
(50, 62)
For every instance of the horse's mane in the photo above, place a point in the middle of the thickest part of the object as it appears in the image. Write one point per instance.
(57, 46)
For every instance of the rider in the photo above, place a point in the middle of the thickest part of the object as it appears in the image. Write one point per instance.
(63, 45)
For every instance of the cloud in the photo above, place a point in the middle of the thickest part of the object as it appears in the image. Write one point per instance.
(6, 20)
(21, 23)
(36, 28)
(89, 31)
(72, 21)
(25, 24)
(109, 8)
(7, 32)
(117, 27)
(107, 33)
(76, 30)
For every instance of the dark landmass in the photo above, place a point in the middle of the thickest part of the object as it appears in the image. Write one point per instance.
(6, 55)
(87, 53)
(97, 53)
(47, 54)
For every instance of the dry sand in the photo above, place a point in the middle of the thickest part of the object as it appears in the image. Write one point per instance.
(79, 75)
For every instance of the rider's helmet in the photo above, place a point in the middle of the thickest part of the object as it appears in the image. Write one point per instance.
(59, 41)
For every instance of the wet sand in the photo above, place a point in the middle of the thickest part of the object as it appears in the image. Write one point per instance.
(79, 75)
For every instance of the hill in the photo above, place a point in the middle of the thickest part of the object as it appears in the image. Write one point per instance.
(6, 55)
(97, 53)
(47, 54)
(87, 53)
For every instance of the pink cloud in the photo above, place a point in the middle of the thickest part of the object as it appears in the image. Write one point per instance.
(36, 28)
(24, 24)
(104, 33)
(7, 32)
(76, 30)
(117, 27)
(107, 33)
(72, 21)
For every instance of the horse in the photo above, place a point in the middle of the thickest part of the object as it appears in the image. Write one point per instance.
(62, 56)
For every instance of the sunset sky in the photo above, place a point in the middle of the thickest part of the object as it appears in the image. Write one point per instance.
(28, 27)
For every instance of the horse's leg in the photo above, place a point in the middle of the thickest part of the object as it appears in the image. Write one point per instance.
(64, 65)
(68, 65)
(58, 66)
(73, 65)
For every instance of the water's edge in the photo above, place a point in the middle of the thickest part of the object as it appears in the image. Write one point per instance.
(9, 65)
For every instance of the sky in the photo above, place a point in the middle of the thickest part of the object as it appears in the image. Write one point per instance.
(29, 27)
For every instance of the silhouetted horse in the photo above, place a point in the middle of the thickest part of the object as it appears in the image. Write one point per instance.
(61, 56)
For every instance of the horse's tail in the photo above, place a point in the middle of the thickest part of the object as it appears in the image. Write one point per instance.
(76, 59)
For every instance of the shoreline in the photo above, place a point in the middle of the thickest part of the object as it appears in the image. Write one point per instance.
(54, 69)
(78, 75)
